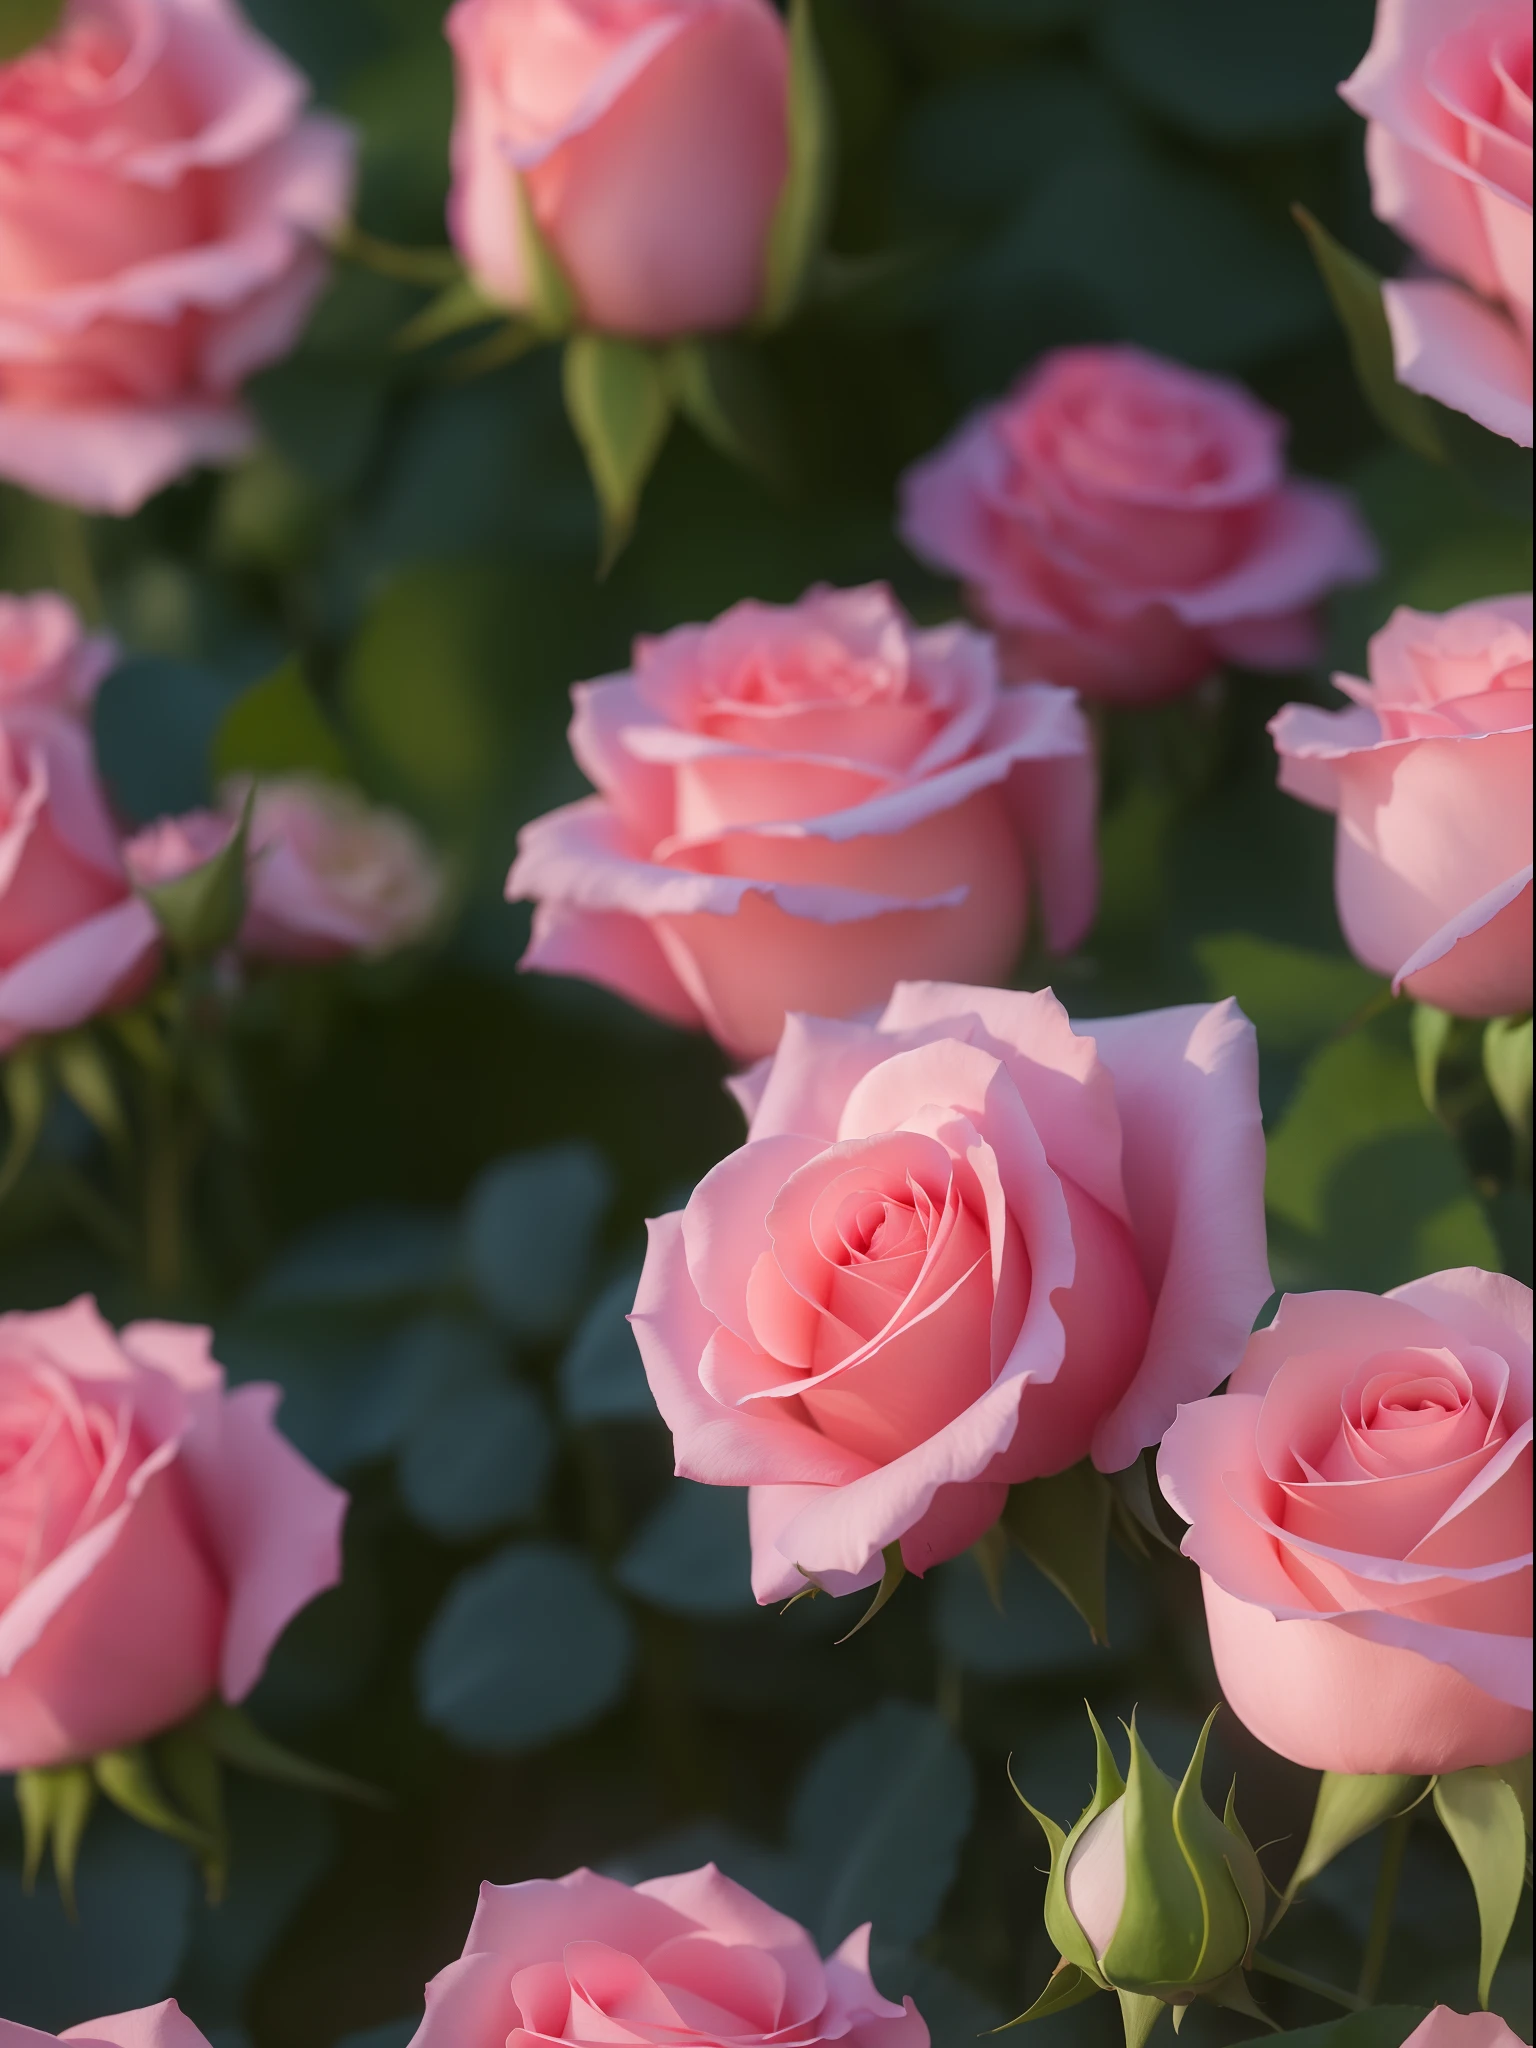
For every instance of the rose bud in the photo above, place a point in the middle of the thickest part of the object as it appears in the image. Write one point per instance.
(1150, 1894)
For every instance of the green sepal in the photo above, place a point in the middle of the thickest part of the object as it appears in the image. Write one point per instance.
(28, 1088)
(127, 1777)
(620, 405)
(1139, 2014)
(1430, 1031)
(1060, 1924)
(551, 301)
(202, 911)
(459, 307)
(1061, 1523)
(1247, 1875)
(194, 1777)
(1213, 1852)
(723, 388)
(1481, 1813)
(276, 728)
(990, 1551)
(799, 223)
(235, 1738)
(55, 1807)
(1135, 1509)
(894, 1570)
(1355, 289)
(87, 1080)
(1236, 1994)
(1347, 1807)
(1507, 1064)
(1164, 1933)
(1066, 1986)
(25, 23)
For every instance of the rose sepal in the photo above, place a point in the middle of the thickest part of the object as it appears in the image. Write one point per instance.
(1348, 1807)
(1488, 1821)
(1060, 1924)
(201, 912)
(799, 223)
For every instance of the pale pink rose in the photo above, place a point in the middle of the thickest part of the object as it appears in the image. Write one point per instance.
(1126, 525)
(801, 804)
(1360, 1509)
(157, 1534)
(1429, 773)
(1444, 2028)
(73, 939)
(1446, 89)
(963, 1247)
(163, 198)
(150, 2026)
(678, 1962)
(329, 873)
(650, 139)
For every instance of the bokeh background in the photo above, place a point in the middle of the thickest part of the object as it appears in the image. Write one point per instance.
(545, 1650)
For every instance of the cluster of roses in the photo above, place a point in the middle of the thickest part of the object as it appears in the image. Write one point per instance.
(968, 1242)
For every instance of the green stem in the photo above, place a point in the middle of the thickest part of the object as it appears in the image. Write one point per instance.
(1393, 1845)
(1304, 1981)
(69, 555)
(164, 1249)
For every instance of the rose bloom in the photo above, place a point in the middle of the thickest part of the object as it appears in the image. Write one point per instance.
(73, 939)
(965, 1246)
(1446, 89)
(1126, 525)
(1360, 1509)
(800, 804)
(162, 198)
(650, 140)
(1429, 773)
(151, 2026)
(681, 1962)
(156, 1532)
(1443, 2028)
(329, 873)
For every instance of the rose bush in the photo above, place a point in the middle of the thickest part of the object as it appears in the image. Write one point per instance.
(151, 2026)
(163, 198)
(1429, 773)
(156, 1532)
(1446, 89)
(650, 144)
(799, 804)
(1127, 524)
(1359, 1503)
(692, 1959)
(965, 1246)
(73, 937)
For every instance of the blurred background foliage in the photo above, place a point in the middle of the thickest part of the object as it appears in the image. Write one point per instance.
(545, 1648)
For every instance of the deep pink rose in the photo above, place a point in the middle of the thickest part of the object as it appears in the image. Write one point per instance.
(650, 138)
(156, 1533)
(1446, 89)
(162, 200)
(151, 2026)
(329, 873)
(801, 804)
(677, 1962)
(1127, 524)
(965, 1246)
(73, 940)
(1429, 772)
(1360, 1509)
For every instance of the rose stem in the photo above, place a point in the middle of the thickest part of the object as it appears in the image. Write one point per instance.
(1300, 1978)
(1394, 1843)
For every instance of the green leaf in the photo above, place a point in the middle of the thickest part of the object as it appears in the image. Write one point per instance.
(1430, 1033)
(1296, 999)
(800, 218)
(1380, 2026)
(25, 23)
(620, 407)
(1356, 293)
(193, 1774)
(1507, 1063)
(1481, 1813)
(201, 911)
(551, 300)
(1066, 1986)
(276, 728)
(894, 1572)
(724, 389)
(235, 1738)
(1061, 1523)
(127, 1776)
(1347, 1807)
(27, 1090)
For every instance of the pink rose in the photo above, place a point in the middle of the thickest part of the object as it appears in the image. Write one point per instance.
(1429, 772)
(329, 874)
(1126, 524)
(650, 140)
(800, 804)
(156, 1533)
(965, 1246)
(151, 2026)
(1446, 2029)
(73, 940)
(162, 198)
(1360, 1509)
(679, 1962)
(1446, 88)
